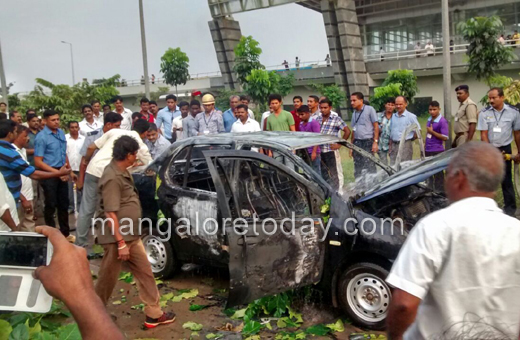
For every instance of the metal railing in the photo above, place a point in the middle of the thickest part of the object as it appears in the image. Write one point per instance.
(423, 52)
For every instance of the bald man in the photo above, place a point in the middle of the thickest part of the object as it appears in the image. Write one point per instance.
(462, 261)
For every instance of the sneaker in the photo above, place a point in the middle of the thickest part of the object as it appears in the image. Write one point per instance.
(165, 319)
(71, 238)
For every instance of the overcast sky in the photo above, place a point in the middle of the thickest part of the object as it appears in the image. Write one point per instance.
(106, 37)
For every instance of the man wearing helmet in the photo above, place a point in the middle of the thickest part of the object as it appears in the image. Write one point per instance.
(210, 120)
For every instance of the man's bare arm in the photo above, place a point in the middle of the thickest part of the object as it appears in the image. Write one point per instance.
(484, 136)
(401, 313)
(38, 162)
(472, 129)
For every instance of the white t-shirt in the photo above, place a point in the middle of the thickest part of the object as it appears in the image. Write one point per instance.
(105, 143)
(463, 262)
(126, 123)
(251, 114)
(85, 126)
(250, 126)
(27, 188)
(264, 117)
(177, 123)
(7, 203)
(73, 150)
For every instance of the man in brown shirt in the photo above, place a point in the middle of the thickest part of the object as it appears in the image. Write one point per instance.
(119, 233)
(466, 117)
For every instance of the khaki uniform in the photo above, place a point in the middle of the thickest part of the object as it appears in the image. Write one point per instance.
(466, 114)
(118, 194)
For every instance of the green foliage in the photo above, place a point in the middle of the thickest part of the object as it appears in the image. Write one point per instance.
(333, 92)
(407, 79)
(382, 93)
(67, 100)
(261, 83)
(511, 89)
(247, 58)
(192, 326)
(174, 67)
(486, 54)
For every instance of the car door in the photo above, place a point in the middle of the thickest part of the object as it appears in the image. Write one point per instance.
(271, 217)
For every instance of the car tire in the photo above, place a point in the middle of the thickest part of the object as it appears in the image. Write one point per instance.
(160, 254)
(364, 295)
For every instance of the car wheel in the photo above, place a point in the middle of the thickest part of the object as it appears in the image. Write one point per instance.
(364, 295)
(161, 256)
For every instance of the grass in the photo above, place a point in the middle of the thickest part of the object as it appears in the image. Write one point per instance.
(348, 163)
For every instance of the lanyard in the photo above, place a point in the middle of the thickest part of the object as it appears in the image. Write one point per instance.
(205, 121)
(359, 116)
(501, 114)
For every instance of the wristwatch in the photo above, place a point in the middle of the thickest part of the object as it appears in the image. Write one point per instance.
(376, 141)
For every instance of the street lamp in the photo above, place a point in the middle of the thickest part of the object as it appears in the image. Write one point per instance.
(71, 60)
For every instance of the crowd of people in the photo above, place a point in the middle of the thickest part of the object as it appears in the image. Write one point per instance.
(90, 168)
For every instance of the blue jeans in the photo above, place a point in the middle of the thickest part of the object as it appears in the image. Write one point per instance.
(316, 164)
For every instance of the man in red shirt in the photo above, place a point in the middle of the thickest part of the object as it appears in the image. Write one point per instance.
(297, 102)
(145, 110)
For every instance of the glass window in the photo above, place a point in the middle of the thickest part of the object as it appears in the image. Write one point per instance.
(198, 175)
(177, 166)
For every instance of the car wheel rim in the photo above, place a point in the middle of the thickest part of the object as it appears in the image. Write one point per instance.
(156, 252)
(369, 297)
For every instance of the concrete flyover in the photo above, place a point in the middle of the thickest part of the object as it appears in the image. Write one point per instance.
(341, 24)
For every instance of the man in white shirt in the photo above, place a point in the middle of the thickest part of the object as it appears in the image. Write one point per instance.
(8, 215)
(244, 122)
(245, 99)
(96, 111)
(126, 124)
(459, 269)
(74, 144)
(89, 123)
(96, 165)
(177, 131)
(430, 49)
(26, 208)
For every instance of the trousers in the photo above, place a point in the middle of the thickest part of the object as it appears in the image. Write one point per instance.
(87, 209)
(362, 163)
(507, 185)
(56, 194)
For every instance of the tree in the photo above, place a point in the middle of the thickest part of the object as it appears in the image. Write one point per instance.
(222, 98)
(511, 89)
(486, 54)
(174, 67)
(382, 93)
(408, 81)
(67, 100)
(261, 83)
(247, 58)
(332, 92)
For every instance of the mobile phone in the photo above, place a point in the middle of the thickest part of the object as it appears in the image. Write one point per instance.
(24, 250)
(20, 254)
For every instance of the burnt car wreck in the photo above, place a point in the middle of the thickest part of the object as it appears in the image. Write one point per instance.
(266, 224)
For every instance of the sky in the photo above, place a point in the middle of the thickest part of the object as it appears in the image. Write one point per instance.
(106, 37)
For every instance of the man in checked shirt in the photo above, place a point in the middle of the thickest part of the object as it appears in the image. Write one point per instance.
(330, 158)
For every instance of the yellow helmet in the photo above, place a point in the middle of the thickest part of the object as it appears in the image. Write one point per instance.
(208, 99)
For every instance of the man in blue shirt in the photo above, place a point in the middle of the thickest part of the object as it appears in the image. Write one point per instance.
(365, 133)
(165, 117)
(12, 165)
(400, 122)
(229, 115)
(50, 154)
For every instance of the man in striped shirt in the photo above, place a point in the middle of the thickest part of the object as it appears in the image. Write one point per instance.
(12, 165)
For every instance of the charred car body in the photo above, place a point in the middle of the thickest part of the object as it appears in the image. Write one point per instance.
(246, 195)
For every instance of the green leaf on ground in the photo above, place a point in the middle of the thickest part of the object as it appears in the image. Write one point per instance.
(338, 326)
(229, 312)
(117, 302)
(253, 337)
(138, 307)
(97, 249)
(318, 330)
(5, 330)
(214, 336)
(280, 323)
(69, 332)
(20, 332)
(296, 316)
(219, 291)
(195, 308)
(268, 326)
(158, 281)
(251, 327)
(126, 277)
(239, 314)
(192, 326)
(37, 328)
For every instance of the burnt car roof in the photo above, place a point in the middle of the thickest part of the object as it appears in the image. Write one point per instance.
(284, 139)
(416, 173)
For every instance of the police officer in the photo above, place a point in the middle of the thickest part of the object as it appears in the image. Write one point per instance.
(466, 117)
(497, 124)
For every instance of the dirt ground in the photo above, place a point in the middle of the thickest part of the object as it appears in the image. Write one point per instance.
(211, 285)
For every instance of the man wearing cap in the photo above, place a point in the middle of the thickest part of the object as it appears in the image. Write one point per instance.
(466, 117)
(210, 120)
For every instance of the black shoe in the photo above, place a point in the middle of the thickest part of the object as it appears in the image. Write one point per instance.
(165, 319)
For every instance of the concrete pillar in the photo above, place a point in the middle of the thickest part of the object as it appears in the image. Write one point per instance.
(346, 49)
(226, 34)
